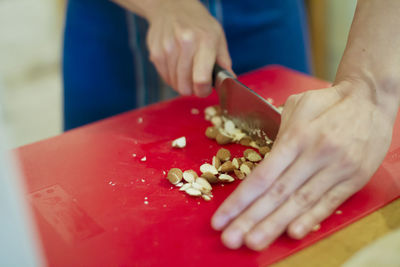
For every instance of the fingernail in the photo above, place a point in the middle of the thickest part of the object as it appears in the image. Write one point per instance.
(233, 238)
(218, 222)
(298, 229)
(256, 240)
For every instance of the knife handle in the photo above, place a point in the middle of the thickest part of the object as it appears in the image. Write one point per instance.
(216, 70)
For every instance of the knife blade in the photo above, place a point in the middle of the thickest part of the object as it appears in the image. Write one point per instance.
(247, 109)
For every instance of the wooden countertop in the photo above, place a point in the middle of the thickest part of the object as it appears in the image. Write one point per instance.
(342, 245)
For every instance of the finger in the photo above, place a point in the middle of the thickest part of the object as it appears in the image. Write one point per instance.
(297, 174)
(329, 202)
(288, 110)
(185, 61)
(280, 157)
(157, 54)
(223, 57)
(171, 52)
(203, 64)
(300, 201)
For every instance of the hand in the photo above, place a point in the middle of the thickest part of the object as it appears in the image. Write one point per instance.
(185, 41)
(330, 143)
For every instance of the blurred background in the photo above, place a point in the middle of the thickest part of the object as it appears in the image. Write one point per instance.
(30, 52)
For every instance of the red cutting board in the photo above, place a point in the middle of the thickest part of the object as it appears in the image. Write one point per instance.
(97, 204)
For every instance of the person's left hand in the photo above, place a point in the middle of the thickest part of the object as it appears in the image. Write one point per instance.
(330, 143)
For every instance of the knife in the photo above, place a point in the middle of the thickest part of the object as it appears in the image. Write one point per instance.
(247, 109)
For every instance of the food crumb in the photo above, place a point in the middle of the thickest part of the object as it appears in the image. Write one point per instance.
(134, 155)
(143, 180)
(146, 202)
(195, 111)
(179, 142)
(143, 159)
(270, 100)
(140, 120)
(338, 212)
(316, 228)
(145, 198)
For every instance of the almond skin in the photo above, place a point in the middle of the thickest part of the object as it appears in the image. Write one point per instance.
(211, 178)
(175, 175)
(240, 175)
(223, 139)
(211, 132)
(226, 167)
(264, 150)
(223, 154)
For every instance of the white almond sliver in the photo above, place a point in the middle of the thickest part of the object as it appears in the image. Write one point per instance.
(204, 183)
(229, 127)
(188, 176)
(226, 178)
(179, 142)
(185, 187)
(193, 192)
(208, 168)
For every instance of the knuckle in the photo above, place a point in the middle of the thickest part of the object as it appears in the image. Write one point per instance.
(333, 201)
(169, 46)
(185, 37)
(329, 145)
(303, 198)
(348, 164)
(278, 191)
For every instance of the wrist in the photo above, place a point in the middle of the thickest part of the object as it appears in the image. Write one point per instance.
(383, 93)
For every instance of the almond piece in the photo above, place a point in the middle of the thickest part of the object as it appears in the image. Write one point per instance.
(240, 175)
(254, 157)
(210, 111)
(211, 132)
(264, 150)
(236, 163)
(226, 178)
(216, 162)
(223, 139)
(175, 175)
(189, 176)
(193, 191)
(223, 154)
(226, 167)
(206, 197)
(245, 141)
(185, 186)
(229, 127)
(208, 168)
(204, 183)
(179, 142)
(246, 168)
(254, 144)
(238, 135)
(316, 228)
(248, 151)
(216, 121)
(197, 186)
(180, 184)
(211, 178)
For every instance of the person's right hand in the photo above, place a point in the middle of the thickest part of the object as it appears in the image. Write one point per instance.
(185, 41)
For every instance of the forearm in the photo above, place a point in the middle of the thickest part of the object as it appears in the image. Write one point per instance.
(140, 7)
(145, 8)
(372, 55)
